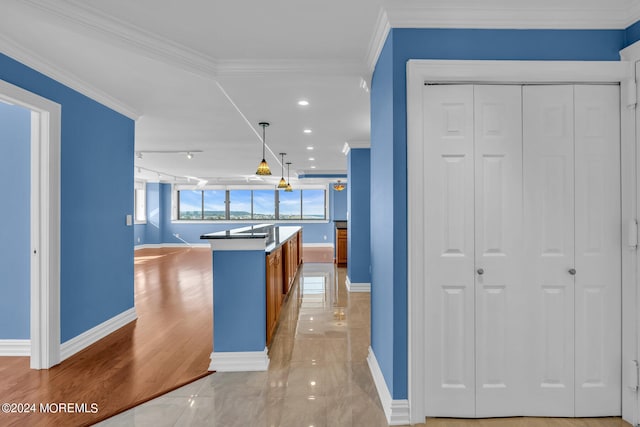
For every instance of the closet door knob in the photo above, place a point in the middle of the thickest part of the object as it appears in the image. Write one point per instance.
(480, 271)
(572, 271)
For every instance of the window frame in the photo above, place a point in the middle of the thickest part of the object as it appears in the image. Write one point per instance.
(139, 187)
(176, 205)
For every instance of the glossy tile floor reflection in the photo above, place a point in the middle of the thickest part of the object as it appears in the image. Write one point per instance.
(318, 374)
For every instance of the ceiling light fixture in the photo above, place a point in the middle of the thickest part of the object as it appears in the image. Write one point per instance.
(313, 167)
(282, 183)
(288, 189)
(310, 148)
(189, 155)
(263, 167)
(307, 131)
(338, 186)
(311, 159)
(303, 102)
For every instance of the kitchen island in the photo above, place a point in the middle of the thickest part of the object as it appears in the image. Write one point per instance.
(253, 270)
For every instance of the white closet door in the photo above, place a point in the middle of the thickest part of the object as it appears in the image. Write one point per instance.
(549, 249)
(597, 258)
(498, 250)
(449, 246)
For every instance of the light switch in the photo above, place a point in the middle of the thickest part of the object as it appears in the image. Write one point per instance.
(129, 220)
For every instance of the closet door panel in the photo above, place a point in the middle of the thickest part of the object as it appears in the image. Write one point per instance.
(549, 249)
(598, 239)
(449, 259)
(498, 253)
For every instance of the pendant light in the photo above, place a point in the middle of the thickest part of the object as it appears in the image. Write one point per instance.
(338, 186)
(282, 183)
(263, 167)
(288, 189)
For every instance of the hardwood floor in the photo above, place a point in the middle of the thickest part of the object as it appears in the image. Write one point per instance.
(166, 347)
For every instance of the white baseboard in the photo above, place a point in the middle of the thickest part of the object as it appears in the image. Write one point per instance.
(15, 347)
(171, 245)
(239, 361)
(357, 287)
(85, 339)
(317, 245)
(396, 411)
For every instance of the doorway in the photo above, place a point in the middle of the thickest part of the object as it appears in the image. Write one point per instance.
(44, 224)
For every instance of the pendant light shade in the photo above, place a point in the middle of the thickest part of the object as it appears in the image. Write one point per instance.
(263, 167)
(282, 183)
(288, 188)
(338, 186)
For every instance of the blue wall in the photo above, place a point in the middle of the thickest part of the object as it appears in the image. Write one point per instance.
(632, 34)
(97, 150)
(15, 167)
(359, 207)
(389, 145)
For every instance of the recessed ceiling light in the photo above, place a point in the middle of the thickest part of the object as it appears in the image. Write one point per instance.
(310, 148)
(303, 102)
(311, 159)
(307, 131)
(313, 167)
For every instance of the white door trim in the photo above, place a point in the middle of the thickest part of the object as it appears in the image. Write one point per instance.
(45, 223)
(420, 72)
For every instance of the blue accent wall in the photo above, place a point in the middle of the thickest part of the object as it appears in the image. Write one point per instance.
(97, 151)
(389, 145)
(632, 34)
(359, 208)
(338, 204)
(15, 214)
(239, 301)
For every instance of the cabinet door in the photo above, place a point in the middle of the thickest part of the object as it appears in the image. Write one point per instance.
(449, 250)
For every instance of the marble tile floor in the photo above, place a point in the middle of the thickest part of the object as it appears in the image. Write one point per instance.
(318, 374)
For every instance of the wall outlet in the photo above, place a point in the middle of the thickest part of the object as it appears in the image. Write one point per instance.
(324, 237)
(129, 220)
(138, 240)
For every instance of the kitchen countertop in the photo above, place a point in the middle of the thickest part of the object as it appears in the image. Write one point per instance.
(275, 235)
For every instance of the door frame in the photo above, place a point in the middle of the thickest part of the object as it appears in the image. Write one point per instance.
(515, 72)
(44, 224)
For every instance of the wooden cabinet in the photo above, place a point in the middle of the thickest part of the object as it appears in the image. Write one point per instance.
(282, 267)
(274, 290)
(341, 246)
(291, 261)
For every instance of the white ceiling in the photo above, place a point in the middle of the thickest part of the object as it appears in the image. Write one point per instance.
(200, 74)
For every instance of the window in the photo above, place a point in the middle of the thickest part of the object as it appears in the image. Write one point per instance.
(264, 205)
(214, 204)
(251, 205)
(290, 206)
(239, 204)
(140, 202)
(313, 204)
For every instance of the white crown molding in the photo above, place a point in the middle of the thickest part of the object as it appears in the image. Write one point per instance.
(352, 145)
(541, 14)
(15, 347)
(382, 28)
(631, 52)
(23, 55)
(93, 22)
(544, 14)
(85, 339)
